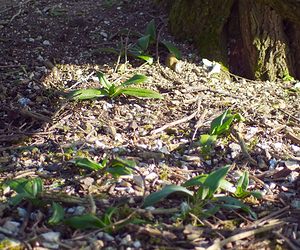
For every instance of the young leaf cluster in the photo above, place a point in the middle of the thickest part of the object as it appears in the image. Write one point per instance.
(111, 90)
(207, 186)
(219, 126)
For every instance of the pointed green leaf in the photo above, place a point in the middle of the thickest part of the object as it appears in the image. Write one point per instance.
(57, 214)
(148, 59)
(222, 123)
(172, 49)
(208, 140)
(25, 189)
(87, 164)
(196, 181)
(103, 81)
(166, 191)
(212, 182)
(142, 93)
(243, 181)
(86, 94)
(118, 167)
(86, 221)
(135, 79)
(143, 42)
(233, 203)
(151, 30)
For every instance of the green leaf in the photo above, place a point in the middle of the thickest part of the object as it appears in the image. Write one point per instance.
(106, 219)
(148, 59)
(86, 94)
(208, 140)
(256, 194)
(103, 81)
(212, 183)
(86, 221)
(25, 189)
(196, 181)
(233, 203)
(166, 191)
(143, 42)
(222, 123)
(118, 167)
(140, 92)
(243, 181)
(87, 164)
(57, 215)
(135, 79)
(172, 49)
(151, 30)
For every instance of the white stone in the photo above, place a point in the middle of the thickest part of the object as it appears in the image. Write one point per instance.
(51, 236)
(46, 43)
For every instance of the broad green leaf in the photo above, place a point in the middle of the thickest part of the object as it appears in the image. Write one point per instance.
(143, 42)
(148, 59)
(86, 221)
(163, 193)
(233, 203)
(212, 182)
(86, 94)
(172, 49)
(30, 187)
(135, 79)
(199, 180)
(25, 189)
(57, 215)
(151, 30)
(135, 51)
(118, 167)
(123, 162)
(196, 181)
(87, 164)
(208, 140)
(103, 81)
(222, 123)
(142, 93)
(15, 200)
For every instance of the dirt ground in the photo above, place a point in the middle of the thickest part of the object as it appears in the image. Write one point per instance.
(48, 48)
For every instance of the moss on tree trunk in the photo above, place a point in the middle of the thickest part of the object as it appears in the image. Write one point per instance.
(256, 39)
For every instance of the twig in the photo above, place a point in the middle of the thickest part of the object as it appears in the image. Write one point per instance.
(201, 89)
(119, 56)
(218, 245)
(92, 204)
(287, 241)
(290, 115)
(11, 66)
(171, 124)
(243, 147)
(272, 215)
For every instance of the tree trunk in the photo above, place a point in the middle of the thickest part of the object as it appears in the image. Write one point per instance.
(256, 39)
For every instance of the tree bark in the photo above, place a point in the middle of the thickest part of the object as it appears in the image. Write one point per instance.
(256, 39)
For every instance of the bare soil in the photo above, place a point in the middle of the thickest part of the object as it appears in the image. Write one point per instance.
(48, 48)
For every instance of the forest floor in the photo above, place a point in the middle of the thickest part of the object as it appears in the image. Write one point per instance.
(55, 196)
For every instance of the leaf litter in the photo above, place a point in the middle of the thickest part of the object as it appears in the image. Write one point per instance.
(50, 48)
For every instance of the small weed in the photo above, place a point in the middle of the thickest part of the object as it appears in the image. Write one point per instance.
(111, 90)
(219, 126)
(204, 201)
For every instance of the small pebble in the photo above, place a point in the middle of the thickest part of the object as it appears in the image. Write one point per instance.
(46, 43)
